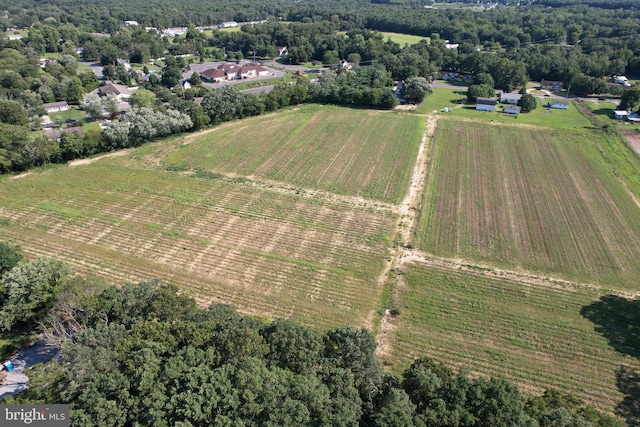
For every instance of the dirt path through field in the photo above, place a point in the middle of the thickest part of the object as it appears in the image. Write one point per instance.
(405, 226)
(95, 159)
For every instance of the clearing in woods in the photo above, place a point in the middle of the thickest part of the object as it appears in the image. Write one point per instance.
(310, 214)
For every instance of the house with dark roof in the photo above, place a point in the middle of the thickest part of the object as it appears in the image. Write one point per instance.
(551, 85)
(120, 91)
(57, 133)
(486, 104)
(213, 75)
(559, 104)
(510, 98)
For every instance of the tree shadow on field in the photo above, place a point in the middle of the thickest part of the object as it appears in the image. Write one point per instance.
(618, 320)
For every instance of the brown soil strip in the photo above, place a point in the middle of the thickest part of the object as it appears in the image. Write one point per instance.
(404, 229)
(95, 159)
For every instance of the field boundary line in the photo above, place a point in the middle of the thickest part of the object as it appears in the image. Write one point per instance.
(404, 228)
(414, 256)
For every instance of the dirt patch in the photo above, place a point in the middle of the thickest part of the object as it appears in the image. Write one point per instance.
(22, 175)
(633, 138)
(94, 159)
(406, 107)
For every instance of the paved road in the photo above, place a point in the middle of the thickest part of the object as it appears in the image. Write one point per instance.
(16, 380)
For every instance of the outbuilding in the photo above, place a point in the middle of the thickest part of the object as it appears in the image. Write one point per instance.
(486, 104)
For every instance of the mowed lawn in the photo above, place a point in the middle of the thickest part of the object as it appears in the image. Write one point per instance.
(536, 333)
(537, 199)
(455, 100)
(267, 251)
(347, 151)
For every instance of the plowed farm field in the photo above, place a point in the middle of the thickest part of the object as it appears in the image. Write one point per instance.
(538, 199)
(345, 151)
(530, 331)
(267, 247)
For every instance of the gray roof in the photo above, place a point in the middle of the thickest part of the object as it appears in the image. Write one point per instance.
(558, 102)
(516, 96)
(512, 109)
(55, 104)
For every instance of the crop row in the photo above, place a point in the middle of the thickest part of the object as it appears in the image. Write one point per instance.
(532, 333)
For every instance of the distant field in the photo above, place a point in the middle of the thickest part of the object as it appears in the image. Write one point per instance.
(533, 333)
(346, 151)
(453, 98)
(403, 39)
(266, 250)
(539, 199)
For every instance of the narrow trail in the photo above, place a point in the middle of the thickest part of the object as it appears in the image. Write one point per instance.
(404, 228)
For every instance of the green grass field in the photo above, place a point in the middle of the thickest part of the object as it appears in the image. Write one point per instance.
(536, 199)
(346, 151)
(264, 249)
(403, 39)
(533, 332)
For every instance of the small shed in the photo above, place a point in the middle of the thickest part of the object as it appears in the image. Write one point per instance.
(621, 114)
(559, 104)
(512, 109)
(486, 104)
(510, 98)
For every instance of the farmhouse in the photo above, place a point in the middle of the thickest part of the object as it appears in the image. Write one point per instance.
(560, 104)
(486, 104)
(551, 84)
(510, 98)
(120, 91)
(56, 107)
(512, 109)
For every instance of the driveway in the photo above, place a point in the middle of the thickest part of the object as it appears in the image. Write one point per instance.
(16, 380)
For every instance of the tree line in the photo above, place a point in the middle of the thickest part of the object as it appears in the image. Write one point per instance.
(144, 354)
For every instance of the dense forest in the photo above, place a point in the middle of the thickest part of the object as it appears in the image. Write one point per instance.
(142, 354)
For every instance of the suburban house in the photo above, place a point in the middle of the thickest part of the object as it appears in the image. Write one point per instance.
(213, 75)
(512, 109)
(229, 24)
(120, 91)
(175, 31)
(282, 51)
(560, 104)
(510, 98)
(486, 104)
(621, 114)
(228, 71)
(56, 107)
(185, 84)
(131, 23)
(57, 133)
(551, 84)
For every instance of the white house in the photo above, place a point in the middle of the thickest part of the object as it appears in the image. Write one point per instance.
(510, 98)
(56, 107)
(131, 23)
(558, 104)
(282, 51)
(229, 24)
